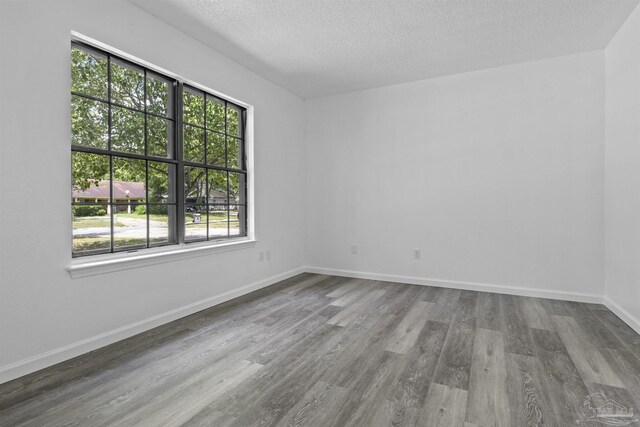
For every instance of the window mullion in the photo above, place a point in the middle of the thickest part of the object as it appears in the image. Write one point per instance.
(206, 162)
(109, 124)
(146, 162)
(178, 147)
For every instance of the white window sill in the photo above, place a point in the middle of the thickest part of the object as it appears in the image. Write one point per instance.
(109, 263)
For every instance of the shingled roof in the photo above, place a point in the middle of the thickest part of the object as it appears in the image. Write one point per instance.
(101, 191)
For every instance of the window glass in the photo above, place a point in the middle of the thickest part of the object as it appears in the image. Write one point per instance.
(132, 151)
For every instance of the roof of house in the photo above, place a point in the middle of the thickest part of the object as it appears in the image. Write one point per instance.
(217, 194)
(135, 190)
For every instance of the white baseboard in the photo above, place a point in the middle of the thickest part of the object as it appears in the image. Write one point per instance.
(455, 284)
(34, 363)
(60, 354)
(628, 318)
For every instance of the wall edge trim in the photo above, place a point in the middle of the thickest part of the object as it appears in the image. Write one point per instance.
(623, 314)
(32, 364)
(458, 284)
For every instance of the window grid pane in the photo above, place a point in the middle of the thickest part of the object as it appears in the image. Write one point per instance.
(223, 163)
(124, 122)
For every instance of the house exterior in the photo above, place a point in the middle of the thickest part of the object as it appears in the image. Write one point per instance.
(217, 200)
(126, 195)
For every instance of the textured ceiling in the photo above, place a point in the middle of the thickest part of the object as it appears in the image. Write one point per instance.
(321, 47)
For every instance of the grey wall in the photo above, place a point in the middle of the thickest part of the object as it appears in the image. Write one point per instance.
(46, 315)
(496, 175)
(622, 171)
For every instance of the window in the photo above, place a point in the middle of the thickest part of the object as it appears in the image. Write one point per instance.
(155, 161)
(214, 171)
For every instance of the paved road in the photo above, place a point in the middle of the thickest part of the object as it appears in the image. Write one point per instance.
(137, 228)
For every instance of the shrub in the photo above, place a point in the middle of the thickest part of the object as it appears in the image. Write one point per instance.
(158, 209)
(153, 209)
(88, 211)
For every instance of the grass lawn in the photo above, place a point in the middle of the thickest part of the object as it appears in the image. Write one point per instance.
(216, 220)
(82, 244)
(93, 222)
(152, 217)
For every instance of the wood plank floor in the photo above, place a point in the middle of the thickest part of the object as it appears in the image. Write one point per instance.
(327, 351)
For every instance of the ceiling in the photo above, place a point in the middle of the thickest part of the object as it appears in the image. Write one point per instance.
(320, 47)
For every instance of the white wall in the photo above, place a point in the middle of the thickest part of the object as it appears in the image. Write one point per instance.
(41, 308)
(622, 171)
(496, 175)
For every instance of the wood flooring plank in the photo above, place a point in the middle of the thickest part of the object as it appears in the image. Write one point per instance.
(392, 414)
(284, 393)
(528, 399)
(407, 332)
(356, 308)
(325, 287)
(355, 352)
(298, 308)
(287, 378)
(627, 365)
(418, 366)
(60, 380)
(555, 307)
(487, 399)
(534, 313)
(317, 407)
(369, 388)
(445, 304)
(293, 280)
(399, 300)
(273, 394)
(305, 283)
(347, 286)
(247, 312)
(445, 406)
(216, 351)
(516, 331)
(178, 405)
(350, 297)
(209, 419)
(593, 326)
(489, 311)
(454, 362)
(117, 391)
(466, 310)
(278, 344)
(593, 367)
(564, 385)
(616, 327)
(430, 293)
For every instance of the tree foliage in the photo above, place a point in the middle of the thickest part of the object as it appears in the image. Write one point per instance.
(130, 126)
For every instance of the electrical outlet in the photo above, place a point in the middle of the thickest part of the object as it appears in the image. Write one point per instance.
(261, 256)
(354, 249)
(268, 254)
(417, 254)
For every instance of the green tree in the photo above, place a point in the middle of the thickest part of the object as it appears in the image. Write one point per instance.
(90, 128)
